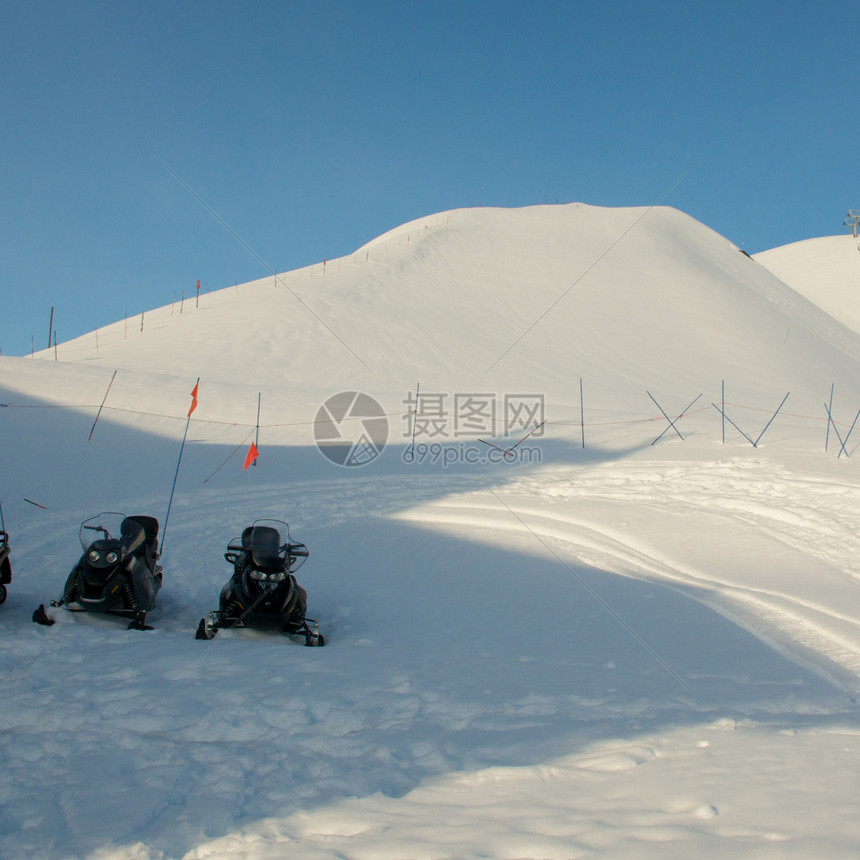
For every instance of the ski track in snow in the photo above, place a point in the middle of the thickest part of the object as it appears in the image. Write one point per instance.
(811, 516)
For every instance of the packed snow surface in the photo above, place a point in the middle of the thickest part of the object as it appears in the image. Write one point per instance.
(634, 633)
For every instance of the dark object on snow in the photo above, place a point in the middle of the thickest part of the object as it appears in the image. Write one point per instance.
(263, 590)
(42, 617)
(5, 565)
(117, 573)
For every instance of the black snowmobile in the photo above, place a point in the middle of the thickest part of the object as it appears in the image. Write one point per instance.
(5, 565)
(117, 573)
(263, 592)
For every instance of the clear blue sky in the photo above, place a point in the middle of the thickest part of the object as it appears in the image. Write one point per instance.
(311, 127)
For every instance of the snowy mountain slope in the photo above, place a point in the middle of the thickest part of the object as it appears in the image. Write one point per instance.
(619, 650)
(528, 298)
(825, 270)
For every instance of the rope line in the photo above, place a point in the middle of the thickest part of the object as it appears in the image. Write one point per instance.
(225, 423)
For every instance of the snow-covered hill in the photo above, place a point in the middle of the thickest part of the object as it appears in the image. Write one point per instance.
(524, 298)
(826, 270)
(606, 643)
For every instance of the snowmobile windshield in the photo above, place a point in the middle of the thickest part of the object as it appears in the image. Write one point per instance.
(111, 525)
(267, 553)
(133, 536)
(271, 548)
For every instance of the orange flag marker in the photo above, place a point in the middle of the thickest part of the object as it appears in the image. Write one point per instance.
(194, 398)
(251, 456)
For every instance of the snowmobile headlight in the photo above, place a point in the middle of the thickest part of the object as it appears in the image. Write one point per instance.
(112, 557)
(262, 576)
(94, 556)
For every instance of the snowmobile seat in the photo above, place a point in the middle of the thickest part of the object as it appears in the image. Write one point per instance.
(149, 524)
(150, 528)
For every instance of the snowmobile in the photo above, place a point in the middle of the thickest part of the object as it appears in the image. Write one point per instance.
(5, 565)
(263, 591)
(117, 573)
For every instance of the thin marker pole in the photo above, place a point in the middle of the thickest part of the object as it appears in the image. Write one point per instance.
(533, 430)
(849, 433)
(178, 462)
(689, 406)
(581, 413)
(755, 444)
(835, 428)
(104, 399)
(726, 418)
(257, 430)
(173, 488)
(829, 419)
(671, 422)
(414, 422)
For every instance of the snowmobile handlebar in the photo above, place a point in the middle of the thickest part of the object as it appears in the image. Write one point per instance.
(101, 529)
(294, 549)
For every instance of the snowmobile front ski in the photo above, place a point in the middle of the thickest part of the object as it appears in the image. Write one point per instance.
(217, 620)
(42, 617)
(313, 637)
(139, 622)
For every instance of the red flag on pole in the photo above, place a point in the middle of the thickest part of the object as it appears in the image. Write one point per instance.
(251, 456)
(193, 398)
